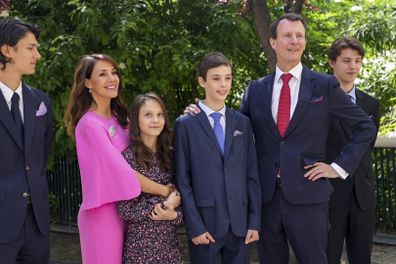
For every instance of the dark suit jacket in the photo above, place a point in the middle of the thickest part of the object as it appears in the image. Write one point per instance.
(23, 165)
(217, 191)
(362, 181)
(304, 143)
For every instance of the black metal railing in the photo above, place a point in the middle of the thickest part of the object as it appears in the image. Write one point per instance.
(65, 187)
(384, 157)
(64, 190)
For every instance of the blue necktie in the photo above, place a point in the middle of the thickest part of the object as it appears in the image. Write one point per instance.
(351, 98)
(218, 130)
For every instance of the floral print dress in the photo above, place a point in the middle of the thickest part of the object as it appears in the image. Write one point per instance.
(147, 240)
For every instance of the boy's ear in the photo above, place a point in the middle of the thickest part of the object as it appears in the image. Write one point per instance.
(201, 82)
(5, 50)
(331, 63)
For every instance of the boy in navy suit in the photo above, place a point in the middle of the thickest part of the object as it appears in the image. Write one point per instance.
(216, 172)
(25, 139)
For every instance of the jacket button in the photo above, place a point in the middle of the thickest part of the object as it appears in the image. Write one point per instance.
(25, 194)
(27, 168)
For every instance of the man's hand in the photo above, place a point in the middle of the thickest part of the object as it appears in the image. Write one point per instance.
(320, 170)
(193, 108)
(251, 236)
(160, 213)
(203, 239)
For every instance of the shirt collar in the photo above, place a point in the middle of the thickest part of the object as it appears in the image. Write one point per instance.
(352, 94)
(208, 110)
(296, 71)
(8, 92)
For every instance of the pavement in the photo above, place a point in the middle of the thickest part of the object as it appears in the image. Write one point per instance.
(65, 249)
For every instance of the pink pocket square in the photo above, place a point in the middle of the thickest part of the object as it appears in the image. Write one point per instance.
(317, 99)
(42, 110)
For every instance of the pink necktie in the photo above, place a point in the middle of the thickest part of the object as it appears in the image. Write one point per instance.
(284, 105)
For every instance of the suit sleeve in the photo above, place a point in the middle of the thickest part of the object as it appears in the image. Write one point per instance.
(363, 128)
(254, 189)
(192, 218)
(105, 175)
(376, 119)
(244, 107)
(49, 133)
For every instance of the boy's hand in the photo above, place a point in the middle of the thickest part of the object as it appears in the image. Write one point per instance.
(159, 213)
(203, 239)
(251, 236)
(193, 108)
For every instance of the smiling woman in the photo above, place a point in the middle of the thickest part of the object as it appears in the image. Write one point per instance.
(97, 119)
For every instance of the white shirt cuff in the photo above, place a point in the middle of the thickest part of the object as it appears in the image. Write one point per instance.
(343, 174)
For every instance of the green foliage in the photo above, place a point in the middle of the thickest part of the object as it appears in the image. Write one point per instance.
(159, 42)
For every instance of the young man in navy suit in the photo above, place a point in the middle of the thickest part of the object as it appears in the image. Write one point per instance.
(25, 139)
(352, 203)
(290, 111)
(216, 172)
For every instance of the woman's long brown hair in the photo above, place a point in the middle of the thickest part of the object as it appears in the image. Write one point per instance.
(80, 99)
(164, 142)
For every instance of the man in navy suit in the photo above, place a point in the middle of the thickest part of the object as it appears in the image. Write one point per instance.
(25, 138)
(216, 172)
(352, 204)
(290, 111)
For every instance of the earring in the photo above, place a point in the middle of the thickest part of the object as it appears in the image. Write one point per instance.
(89, 90)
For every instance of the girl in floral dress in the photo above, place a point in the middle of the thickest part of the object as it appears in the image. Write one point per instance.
(151, 232)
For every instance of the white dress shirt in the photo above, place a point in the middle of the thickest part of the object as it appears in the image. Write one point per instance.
(294, 84)
(207, 110)
(8, 93)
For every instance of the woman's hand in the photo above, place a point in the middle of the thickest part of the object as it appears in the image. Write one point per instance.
(160, 214)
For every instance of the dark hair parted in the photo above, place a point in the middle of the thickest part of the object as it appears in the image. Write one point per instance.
(81, 100)
(11, 31)
(344, 43)
(289, 16)
(212, 60)
(164, 141)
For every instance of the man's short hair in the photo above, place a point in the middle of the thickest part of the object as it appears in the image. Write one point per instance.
(212, 60)
(288, 16)
(344, 43)
(11, 31)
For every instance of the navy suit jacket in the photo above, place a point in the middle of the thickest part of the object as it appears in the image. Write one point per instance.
(362, 181)
(218, 191)
(23, 164)
(304, 143)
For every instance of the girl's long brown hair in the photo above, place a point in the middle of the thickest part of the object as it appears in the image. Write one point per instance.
(80, 99)
(164, 142)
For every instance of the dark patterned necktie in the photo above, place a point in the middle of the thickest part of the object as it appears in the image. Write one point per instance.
(16, 114)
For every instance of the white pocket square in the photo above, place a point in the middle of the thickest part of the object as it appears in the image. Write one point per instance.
(237, 133)
(42, 110)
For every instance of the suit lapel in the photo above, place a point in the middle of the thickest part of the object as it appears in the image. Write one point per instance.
(231, 123)
(204, 122)
(267, 96)
(6, 118)
(304, 97)
(30, 106)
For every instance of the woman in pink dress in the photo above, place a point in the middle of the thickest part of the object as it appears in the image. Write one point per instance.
(97, 119)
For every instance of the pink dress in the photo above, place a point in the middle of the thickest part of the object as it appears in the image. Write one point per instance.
(105, 178)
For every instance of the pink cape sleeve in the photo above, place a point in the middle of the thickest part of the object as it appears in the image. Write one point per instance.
(105, 175)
